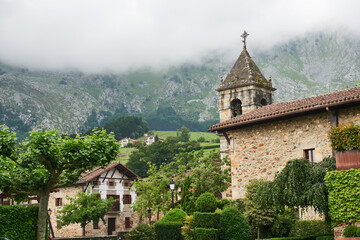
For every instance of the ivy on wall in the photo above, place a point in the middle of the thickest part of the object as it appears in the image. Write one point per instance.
(344, 195)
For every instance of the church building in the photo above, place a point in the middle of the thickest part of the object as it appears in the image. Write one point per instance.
(260, 136)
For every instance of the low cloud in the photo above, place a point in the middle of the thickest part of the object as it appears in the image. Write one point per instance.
(97, 35)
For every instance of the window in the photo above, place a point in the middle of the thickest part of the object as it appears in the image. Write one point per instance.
(236, 108)
(112, 184)
(127, 199)
(115, 205)
(58, 202)
(126, 184)
(95, 183)
(127, 222)
(309, 154)
(263, 102)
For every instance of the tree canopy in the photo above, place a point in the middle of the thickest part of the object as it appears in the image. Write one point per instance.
(47, 160)
(83, 209)
(299, 184)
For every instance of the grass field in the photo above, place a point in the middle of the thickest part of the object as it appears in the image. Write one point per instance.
(193, 135)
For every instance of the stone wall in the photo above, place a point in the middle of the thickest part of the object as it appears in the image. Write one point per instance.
(338, 230)
(260, 151)
(119, 236)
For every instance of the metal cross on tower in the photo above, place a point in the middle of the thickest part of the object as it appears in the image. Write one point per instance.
(244, 36)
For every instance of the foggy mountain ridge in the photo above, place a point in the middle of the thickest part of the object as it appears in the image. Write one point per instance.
(72, 101)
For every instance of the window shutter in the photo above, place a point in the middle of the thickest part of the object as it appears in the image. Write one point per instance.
(129, 199)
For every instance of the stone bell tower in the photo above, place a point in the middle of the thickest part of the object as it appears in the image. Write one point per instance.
(244, 88)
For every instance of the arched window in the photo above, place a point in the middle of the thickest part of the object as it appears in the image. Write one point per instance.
(263, 102)
(236, 108)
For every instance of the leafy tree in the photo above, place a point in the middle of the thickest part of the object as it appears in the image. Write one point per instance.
(258, 217)
(299, 184)
(209, 174)
(186, 203)
(47, 161)
(184, 135)
(129, 126)
(85, 208)
(157, 153)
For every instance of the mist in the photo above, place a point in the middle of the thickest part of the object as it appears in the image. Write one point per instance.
(117, 35)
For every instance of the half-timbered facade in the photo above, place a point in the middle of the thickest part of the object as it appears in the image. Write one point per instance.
(115, 181)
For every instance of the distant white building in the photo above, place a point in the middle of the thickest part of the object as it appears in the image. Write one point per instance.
(125, 141)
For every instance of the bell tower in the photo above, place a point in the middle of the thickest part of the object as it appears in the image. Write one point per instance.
(244, 88)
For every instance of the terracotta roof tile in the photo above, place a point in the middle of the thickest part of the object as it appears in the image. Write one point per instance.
(91, 175)
(291, 108)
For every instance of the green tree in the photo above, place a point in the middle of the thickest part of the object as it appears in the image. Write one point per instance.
(83, 209)
(258, 217)
(184, 135)
(299, 184)
(209, 174)
(186, 203)
(47, 161)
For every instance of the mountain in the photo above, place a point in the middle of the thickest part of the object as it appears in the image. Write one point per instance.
(72, 101)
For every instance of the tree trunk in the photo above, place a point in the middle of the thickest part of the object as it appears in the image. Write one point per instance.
(42, 216)
(83, 231)
(258, 233)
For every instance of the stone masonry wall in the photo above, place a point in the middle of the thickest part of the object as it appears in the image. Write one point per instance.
(260, 151)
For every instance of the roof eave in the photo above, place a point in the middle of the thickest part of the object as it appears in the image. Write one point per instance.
(280, 115)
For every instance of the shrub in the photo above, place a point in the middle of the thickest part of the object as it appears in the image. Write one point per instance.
(206, 203)
(18, 222)
(350, 231)
(233, 225)
(201, 139)
(206, 234)
(283, 224)
(207, 220)
(309, 228)
(358, 232)
(142, 232)
(174, 215)
(345, 138)
(188, 229)
(221, 204)
(168, 230)
(325, 238)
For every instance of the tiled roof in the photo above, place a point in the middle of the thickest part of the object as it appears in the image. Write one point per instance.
(91, 175)
(295, 107)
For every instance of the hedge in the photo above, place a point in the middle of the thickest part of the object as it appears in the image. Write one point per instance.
(206, 203)
(174, 215)
(345, 138)
(344, 195)
(302, 238)
(309, 228)
(18, 222)
(233, 225)
(206, 233)
(207, 220)
(168, 230)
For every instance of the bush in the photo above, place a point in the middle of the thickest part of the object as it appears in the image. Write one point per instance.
(206, 203)
(233, 225)
(345, 138)
(350, 231)
(201, 139)
(168, 230)
(325, 238)
(309, 228)
(294, 238)
(174, 215)
(206, 234)
(207, 220)
(142, 232)
(18, 222)
(221, 204)
(283, 224)
(358, 232)
(188, 229)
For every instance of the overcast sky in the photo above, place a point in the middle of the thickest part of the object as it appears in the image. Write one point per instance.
(98, 35)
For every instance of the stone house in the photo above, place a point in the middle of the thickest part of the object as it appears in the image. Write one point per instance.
(125, 141)
(259, 136)
(113, 181)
